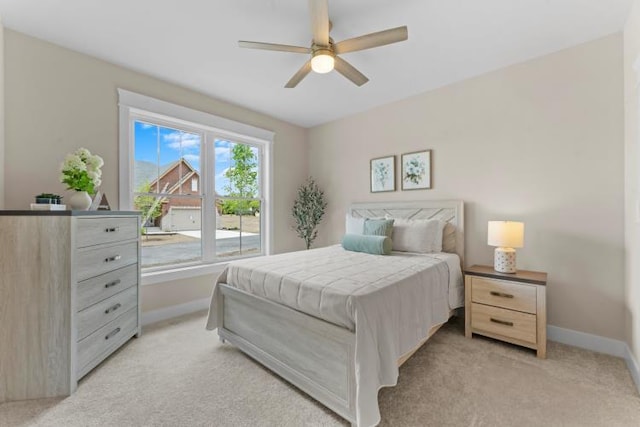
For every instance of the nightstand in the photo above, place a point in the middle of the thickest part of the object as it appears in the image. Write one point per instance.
(507, 307)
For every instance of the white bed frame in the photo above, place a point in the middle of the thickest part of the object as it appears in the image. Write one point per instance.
(314, 355)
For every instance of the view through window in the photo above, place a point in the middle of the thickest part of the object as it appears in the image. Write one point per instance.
(170, 182)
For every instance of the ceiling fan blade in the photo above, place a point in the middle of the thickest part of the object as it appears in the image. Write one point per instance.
(319, 10)
(349, 71)
(299, 75)
(368, 41)
(273, 46)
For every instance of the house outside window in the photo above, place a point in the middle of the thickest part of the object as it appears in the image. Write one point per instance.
(201, 186)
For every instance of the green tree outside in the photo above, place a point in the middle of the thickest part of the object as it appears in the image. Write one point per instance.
(149, 206)
(243, 182)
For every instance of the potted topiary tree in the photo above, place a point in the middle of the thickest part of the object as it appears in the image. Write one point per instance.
(308, 210)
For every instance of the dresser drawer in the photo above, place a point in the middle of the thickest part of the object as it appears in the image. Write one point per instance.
(508, 323)
(106, 338)
(97, 231)
(99, 288)
(98, 315)
(93, 262)
(500, 293)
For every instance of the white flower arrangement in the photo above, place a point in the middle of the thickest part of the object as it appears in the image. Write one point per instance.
(81, 171)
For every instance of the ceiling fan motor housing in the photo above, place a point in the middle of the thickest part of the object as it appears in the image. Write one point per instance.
(322, 58)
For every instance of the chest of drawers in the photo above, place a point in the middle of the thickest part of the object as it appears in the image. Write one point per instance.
(69, 296)
(508, 307)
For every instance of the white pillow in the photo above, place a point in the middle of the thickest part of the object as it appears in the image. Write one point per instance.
(419, 235)
(354, 225)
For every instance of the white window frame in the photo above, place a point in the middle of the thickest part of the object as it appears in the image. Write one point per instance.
(134, 106)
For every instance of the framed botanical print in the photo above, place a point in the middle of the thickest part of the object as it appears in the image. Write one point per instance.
(416, 170)
(383, 174)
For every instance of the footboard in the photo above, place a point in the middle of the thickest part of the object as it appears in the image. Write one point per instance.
(314, 355)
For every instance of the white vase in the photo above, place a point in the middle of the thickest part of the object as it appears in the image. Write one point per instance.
(80, 201)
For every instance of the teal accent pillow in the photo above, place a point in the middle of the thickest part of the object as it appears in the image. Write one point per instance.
(375, 245)
(378, 227)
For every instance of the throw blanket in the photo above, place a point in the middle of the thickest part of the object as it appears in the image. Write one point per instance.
(390, 302)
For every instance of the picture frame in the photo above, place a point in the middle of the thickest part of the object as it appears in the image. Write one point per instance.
(416, 170)
(104, 204)
(382, 174)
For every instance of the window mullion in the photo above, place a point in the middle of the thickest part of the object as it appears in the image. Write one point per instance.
(207, 185)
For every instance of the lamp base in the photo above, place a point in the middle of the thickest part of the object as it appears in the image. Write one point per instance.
(504, 260)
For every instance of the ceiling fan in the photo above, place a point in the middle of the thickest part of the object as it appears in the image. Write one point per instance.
(324, 52)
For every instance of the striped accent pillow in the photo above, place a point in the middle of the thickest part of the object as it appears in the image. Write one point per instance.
(378, 227)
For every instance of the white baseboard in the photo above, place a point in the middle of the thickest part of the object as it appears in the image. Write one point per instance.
(632, 365)
(598, 344)
(587, 341)
(160, 314)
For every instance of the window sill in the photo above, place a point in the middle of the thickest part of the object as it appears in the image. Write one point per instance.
(178, 273)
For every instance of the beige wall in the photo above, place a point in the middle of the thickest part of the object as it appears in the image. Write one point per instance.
(162, 295)
(540, 142)
(632, 187)
(58, 100)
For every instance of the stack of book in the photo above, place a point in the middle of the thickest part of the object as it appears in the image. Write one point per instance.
(47, 207)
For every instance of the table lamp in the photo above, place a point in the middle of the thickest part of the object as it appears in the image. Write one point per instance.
(505, 235)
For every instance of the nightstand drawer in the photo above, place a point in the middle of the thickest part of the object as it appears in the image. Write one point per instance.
(503, 294)
(508, 323)
(98, 231)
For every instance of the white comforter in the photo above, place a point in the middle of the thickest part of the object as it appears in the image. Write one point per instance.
(390, 302)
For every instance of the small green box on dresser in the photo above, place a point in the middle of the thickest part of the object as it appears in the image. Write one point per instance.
(510, 307)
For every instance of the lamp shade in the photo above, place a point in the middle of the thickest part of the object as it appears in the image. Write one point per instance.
(506, 234)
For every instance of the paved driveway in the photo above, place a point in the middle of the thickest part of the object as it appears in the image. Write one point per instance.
(191, 251)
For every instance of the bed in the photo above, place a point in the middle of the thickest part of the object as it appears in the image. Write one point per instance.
(328, 320)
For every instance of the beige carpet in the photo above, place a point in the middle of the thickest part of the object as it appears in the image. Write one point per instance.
(178, 374)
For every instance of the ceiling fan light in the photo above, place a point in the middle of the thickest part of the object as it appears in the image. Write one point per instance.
(322, 62)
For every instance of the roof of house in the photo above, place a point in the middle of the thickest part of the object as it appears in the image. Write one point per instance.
(148, 172)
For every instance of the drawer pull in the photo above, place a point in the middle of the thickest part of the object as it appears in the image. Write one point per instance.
(112, 308)
(111, 230)
(501, 322)
(112, 333)
(501, 294)
(112, 284)
(113, 258)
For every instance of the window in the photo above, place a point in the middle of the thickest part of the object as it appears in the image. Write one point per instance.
(201, 185)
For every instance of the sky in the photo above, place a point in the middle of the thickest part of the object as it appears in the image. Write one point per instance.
(161, 145)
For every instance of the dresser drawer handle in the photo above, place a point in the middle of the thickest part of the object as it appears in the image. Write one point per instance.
(501, 322)
(112, 258)
(112, 284)
(112, 308)
(112, 333)
(501, 294)
(111, 230)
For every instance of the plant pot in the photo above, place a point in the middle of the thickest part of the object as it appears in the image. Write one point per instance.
(80, 201)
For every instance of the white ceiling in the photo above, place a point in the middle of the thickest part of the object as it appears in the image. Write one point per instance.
(194, 43)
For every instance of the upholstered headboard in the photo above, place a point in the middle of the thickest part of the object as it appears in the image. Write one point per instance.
(451, 211)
